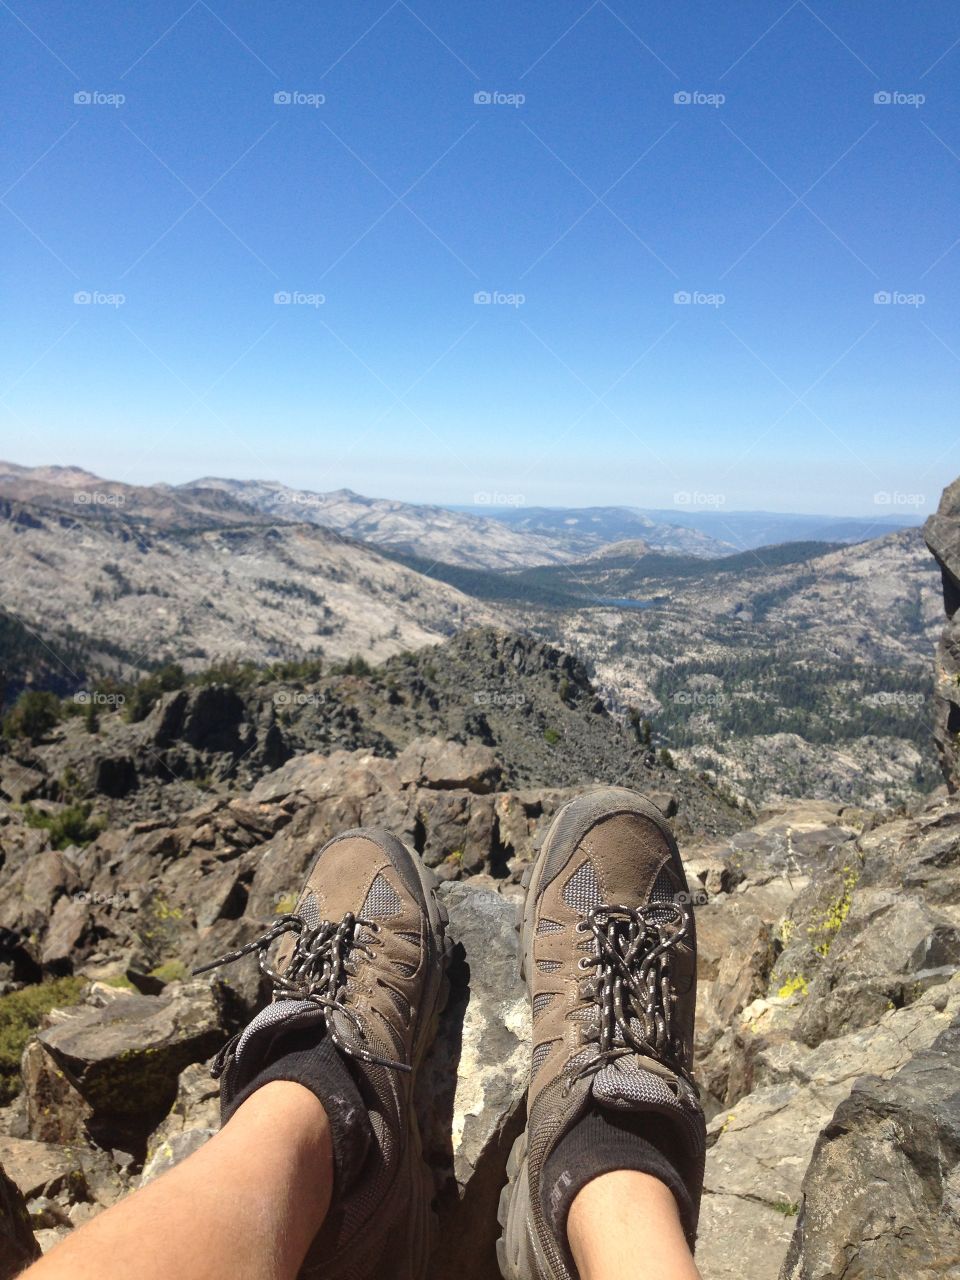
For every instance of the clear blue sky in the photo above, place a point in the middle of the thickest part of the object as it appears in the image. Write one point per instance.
(399, 197)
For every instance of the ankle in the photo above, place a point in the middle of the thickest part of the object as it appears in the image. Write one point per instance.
(625, 1220)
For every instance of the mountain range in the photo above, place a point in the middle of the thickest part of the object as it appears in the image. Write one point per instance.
(800, 668)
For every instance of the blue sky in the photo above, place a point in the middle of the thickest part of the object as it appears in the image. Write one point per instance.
(583, 197)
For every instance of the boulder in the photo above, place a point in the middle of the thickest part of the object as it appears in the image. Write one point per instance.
(70, 1174)
(758, 1150)
(942, 533)
(124, 1059)
(881, 1197)
(18, 1246)
(472, 1086)
(440, 765)
(56, 1111)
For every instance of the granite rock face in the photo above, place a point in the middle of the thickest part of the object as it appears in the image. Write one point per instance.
(124, 1059)
(472, 1090)
(881, 1196)
(942, 533)
(18, 1246)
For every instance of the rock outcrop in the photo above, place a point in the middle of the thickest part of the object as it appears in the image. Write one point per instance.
(942, 532)
(881, 1196)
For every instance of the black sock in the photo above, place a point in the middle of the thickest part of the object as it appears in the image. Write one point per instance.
(317, 1065)
(601, 1142)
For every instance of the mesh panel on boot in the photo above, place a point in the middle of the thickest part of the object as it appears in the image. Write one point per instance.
(549, 926)
(582, 890)
(382, 901)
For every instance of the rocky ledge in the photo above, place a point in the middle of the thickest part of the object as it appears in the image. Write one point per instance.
(829, 947)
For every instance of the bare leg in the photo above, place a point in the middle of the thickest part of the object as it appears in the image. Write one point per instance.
(626, 1224)
(244, 1207)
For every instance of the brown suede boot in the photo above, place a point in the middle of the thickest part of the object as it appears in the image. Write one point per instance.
(358, 986)
(609, 954)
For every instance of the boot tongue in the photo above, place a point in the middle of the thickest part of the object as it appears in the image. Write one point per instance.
(635, 1083)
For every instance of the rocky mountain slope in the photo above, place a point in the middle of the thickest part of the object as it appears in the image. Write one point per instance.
(794, 670)
(810, 677)
(144, 591)
(698, 525)
(431, 532)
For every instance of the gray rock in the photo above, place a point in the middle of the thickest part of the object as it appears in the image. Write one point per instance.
(69, 1173)
(881, 1198)
(124, 1059)
(18, 1246)
(758, 1150)
(471, 1090)
(942, 532)
(55, 1111)
(172, 1150)
(440, 765)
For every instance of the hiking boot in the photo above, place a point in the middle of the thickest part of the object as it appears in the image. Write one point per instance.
(609, 955)
(358, 984)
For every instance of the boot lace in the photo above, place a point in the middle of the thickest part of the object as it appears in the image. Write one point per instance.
(633, 951)
(318, 969)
